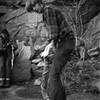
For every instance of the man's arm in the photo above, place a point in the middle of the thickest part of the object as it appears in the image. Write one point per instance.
(51, 21)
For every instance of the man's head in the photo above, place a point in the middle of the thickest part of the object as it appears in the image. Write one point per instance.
(32, 5)
(38, 6)
(4, 37)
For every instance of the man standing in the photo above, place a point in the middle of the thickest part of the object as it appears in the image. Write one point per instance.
(64, 41)
(5, 59)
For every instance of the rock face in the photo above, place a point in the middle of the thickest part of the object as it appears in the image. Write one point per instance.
(92, 33)
(12, 2)
(21, 22)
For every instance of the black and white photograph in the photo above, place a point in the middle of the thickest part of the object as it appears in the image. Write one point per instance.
(49, 49)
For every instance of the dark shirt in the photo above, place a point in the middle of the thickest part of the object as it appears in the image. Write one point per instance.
(56, 22)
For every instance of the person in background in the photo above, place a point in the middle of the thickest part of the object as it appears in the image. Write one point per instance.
(5, 59)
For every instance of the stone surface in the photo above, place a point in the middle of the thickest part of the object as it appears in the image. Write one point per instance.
(21, 71)
(12, 2)
(4, 9)
(31, 93)
(97, 73)
(97, 84)
(34, 93)
(21, 93)
(92, 33)
(20, 23)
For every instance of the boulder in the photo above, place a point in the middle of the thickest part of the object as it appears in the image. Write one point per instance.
(21, 71)
(96, 73)
(96, 84)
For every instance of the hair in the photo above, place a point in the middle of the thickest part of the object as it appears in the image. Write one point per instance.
(32, 4)
(6, 33)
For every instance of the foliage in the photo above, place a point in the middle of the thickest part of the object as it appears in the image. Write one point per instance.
(78, 76)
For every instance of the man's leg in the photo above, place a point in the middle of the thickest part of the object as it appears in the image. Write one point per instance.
(1, 71)
(62, 55)
(44, 86)
(8, 68)
(7, 72)
(44, 83)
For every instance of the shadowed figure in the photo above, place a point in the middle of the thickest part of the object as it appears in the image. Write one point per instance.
(5, 59)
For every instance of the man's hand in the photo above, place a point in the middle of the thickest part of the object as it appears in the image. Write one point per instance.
(45, 53)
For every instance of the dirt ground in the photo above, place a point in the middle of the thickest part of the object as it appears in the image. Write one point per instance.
(21, 92)
(29, 91)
